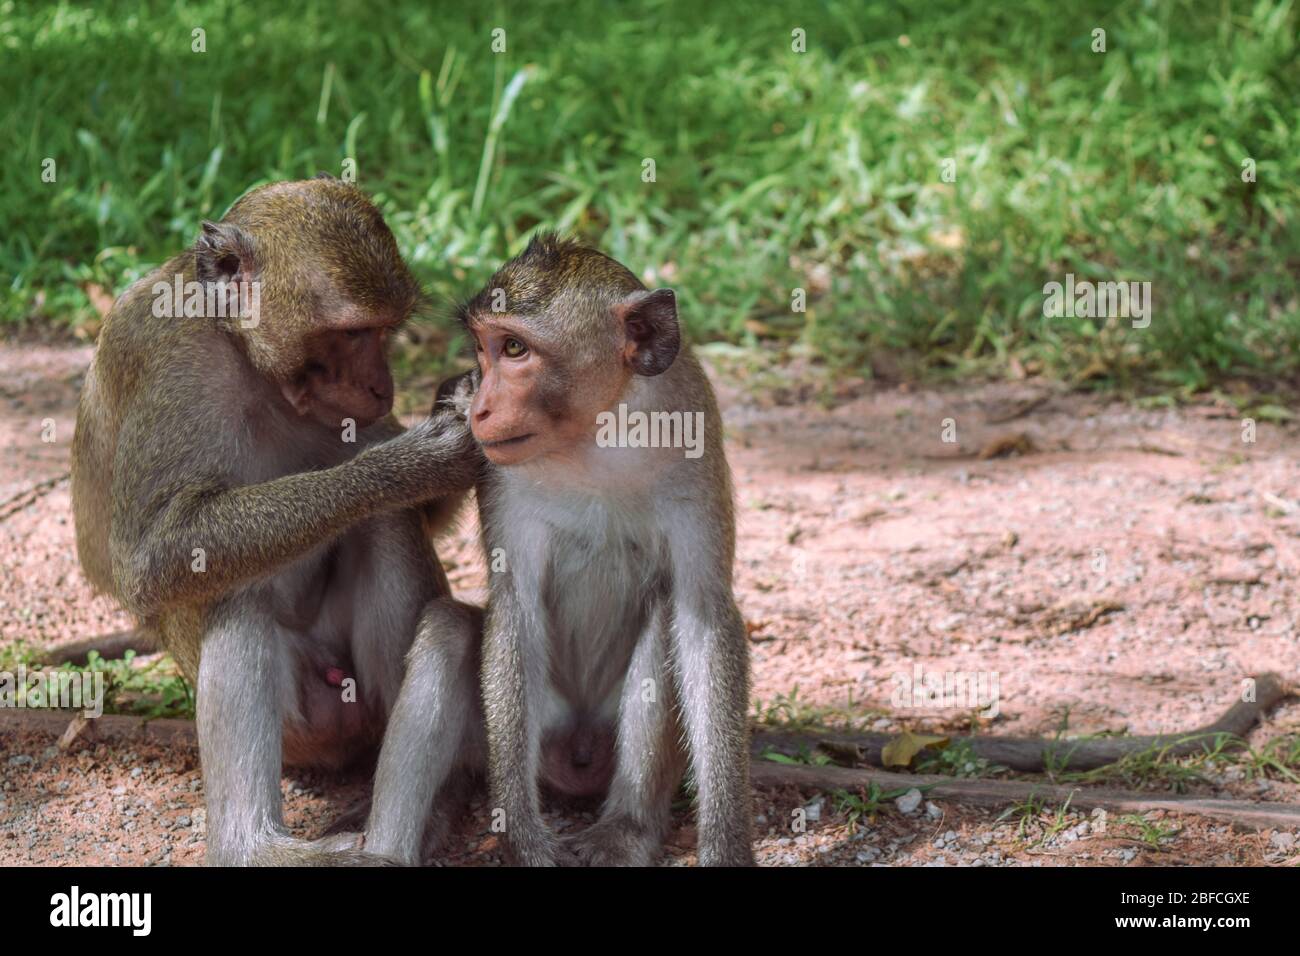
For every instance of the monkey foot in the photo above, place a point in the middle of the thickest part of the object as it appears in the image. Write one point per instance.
(543, 850)
(341, 849)
(616, 842)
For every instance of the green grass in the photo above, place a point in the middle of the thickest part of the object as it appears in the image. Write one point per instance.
(804, 757)
(866, 804)
(1149, 832)
(958, 759)
(775, 170)
(149, 688)
(794, 713)
(1028, 814)
(152, 689)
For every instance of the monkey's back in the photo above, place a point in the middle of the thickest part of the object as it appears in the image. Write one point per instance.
(105, 392)
(92, 456)
(124, 353)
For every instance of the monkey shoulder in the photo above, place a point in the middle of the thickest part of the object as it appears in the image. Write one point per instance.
(142, 308)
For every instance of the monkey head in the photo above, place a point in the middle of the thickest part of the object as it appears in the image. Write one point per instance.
(559, 332)
(331, 287)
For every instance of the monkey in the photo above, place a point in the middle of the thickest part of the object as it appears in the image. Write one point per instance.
(613, 652)
(240, 485)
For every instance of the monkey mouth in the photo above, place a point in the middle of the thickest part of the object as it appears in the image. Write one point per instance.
(507, 442)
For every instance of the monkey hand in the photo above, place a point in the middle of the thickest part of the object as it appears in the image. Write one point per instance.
(457, 392)
(432, 458)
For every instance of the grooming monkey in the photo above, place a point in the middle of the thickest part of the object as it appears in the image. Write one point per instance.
(613, 651)
(239, 483)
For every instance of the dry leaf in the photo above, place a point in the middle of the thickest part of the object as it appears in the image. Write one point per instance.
(900, 751)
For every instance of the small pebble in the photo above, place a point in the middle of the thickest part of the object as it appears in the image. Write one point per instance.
(909, 802)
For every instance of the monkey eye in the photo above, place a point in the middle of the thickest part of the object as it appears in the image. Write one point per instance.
(513, 348)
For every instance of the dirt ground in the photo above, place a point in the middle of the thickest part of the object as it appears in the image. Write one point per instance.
(1124, 568)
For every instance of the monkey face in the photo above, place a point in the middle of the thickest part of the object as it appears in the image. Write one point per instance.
(537, 394)
(542, 395)
(506, 415)
(576, 327)
(345, 375)
(332, 285)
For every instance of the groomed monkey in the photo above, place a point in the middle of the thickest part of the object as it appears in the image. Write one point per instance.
(613, 651)
(240, 485)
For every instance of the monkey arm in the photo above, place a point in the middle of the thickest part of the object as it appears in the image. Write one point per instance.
(441, 511)
(196, 537)
(711, 649)
(453, 400)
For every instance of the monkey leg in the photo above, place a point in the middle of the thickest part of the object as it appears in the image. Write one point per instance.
(395, 574)
(434, 729)
(649, 762)
(710, 646)
(515, 667)
(245, 679)
(453, 801)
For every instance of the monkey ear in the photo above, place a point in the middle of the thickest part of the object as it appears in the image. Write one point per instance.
(653, 335)
(224, 253)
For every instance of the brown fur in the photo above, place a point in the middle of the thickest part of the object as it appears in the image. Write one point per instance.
(316, 548)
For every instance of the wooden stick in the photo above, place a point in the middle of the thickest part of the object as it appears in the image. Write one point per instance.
(109, 646)
(1000, 793)
(1036, 754)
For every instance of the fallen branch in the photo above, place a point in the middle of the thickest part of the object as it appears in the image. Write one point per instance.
(1000, 793)
(109, 646)
(1036, 754)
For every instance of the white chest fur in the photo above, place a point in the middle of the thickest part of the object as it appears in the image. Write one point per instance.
(595, 561)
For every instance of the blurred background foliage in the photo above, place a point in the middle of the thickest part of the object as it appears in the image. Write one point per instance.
(775, 170)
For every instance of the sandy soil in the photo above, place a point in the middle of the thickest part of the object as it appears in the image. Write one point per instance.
(1126, 567)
